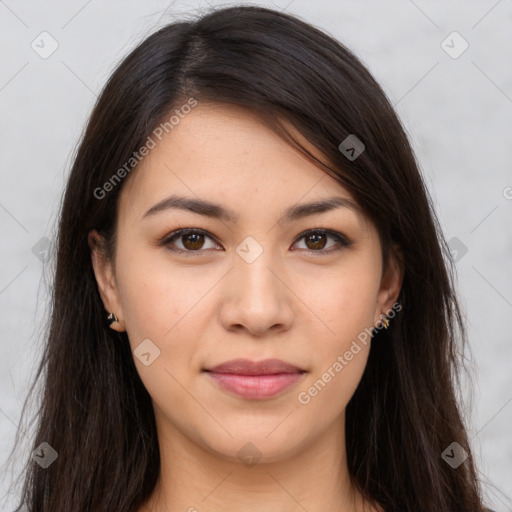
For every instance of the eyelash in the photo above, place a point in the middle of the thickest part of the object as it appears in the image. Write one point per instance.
(343, 241)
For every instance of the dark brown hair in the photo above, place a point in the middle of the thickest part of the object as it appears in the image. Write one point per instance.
(95, 411)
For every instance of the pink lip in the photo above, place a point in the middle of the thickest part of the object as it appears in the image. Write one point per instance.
(255, 380)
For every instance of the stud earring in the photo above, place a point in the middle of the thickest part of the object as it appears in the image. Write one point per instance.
(111, 319)
(385, 322)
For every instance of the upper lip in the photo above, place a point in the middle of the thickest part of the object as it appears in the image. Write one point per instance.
(248, 367)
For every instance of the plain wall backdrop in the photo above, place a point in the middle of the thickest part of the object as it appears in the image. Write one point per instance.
(452, 91)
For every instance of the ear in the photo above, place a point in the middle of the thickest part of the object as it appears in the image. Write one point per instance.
(391, 284)
(105, 279)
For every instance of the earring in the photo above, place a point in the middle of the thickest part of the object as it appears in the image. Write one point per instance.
(111, 319)
(385, 322)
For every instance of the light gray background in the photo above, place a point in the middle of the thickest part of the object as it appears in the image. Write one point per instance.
(457, 111)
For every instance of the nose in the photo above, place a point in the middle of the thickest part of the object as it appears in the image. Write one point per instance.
(257, 297)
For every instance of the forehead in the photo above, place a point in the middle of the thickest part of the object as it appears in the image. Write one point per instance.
(226, 153)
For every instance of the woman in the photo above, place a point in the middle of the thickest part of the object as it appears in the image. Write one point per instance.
(252, 306)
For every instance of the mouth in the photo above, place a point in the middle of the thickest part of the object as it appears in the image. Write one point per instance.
(255, 380)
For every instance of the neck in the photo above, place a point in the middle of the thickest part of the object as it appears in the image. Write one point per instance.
(194, 479)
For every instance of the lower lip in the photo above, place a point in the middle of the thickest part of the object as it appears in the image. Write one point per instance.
(255, 387)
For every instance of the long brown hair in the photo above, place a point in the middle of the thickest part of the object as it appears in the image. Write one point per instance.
(96, 413)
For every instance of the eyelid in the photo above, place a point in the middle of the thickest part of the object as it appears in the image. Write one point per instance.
(342, 240)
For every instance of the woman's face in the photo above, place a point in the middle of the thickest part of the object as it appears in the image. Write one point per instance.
(253, 286)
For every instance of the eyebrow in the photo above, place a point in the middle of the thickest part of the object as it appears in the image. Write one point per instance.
(216, 211)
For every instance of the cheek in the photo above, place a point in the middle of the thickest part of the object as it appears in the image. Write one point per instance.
(163, 303)
(347, 304)
(151, 296)
(158, 305)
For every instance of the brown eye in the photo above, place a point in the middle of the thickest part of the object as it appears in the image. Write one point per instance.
(188, 241)
(192, 241)
(316, 240)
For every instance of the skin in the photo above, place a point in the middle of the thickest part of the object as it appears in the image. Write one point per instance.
(202, 309)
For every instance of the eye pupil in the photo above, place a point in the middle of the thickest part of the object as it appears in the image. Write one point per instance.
(315, 237)
(196, 244)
